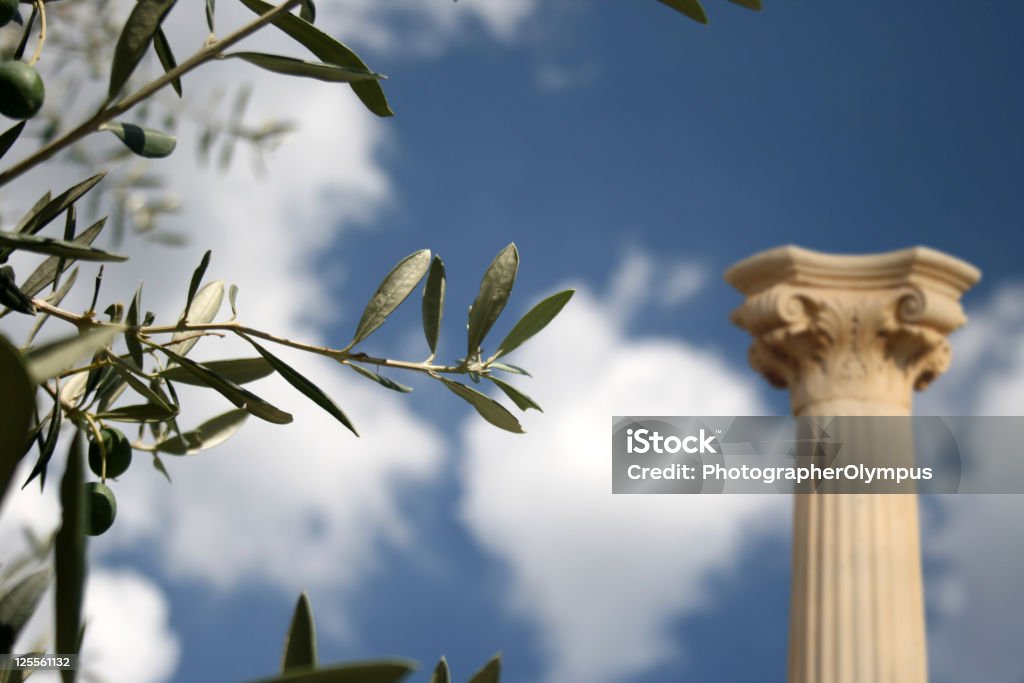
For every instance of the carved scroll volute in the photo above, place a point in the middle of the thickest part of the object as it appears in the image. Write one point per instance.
(824, 334)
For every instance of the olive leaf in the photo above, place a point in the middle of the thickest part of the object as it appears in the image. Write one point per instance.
(49, 360)
(45, 211)
(495, 288)
(376, 671)
(197, 279)
(10, 136)
(143, 412)
(534, 321)
(145, 142)
(131, 339)
(290, 66)
(490, 673)
(521, 400)
(213, 432)
(46, 272)
(203, 309)
(433, 303)
(329, 50)
(48, 447)
(307, 10)
(300, 643)
(749, 4)
(690, 8)
(19, 603)
(393, 290)
(17, 398)
(143, 22)
(240, 397)
(489, 409)
(310, 390)
(441, 673)
(237, 370)
(54, 247)
(166, 57)
(379, 379)
(70, 556)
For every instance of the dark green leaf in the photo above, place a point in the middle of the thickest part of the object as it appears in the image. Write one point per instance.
(690, 8)
(749, 4)
(379, 671)
(380, 379)
(213, 432)
(49, 360)
(328, 50)
(48, 447)
(210, 7)
(197, 279)
(166, 57)
(397, 285)
(47, 245)
(19, 51)
(19, 603)
(489, 409)
(145, 142)
(45, 211)
(138, 31)
(70, 557)
(307, 10)
(490, 673)
(11, 295)
(523, 401)
(17, 398)
(127, 373)
(433, 303)
(10, 136)
(311, 391)
(46, 273)
(441, 673)
(131, 338)
(299, 67)
(495, 289)
(237, 370)
(300, 643)
(240, 397)
(144, 412)
(534, 321)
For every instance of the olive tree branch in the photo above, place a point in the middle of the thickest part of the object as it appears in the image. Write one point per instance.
(340, 355)
(108, 112)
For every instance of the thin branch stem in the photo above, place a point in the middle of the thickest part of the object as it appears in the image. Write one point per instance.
(340, 355)
(108, 112)
(41, 6)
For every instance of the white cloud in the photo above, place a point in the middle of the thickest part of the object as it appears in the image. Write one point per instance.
(643, 279)
(128, 634)
(973, 591)
(605, 577)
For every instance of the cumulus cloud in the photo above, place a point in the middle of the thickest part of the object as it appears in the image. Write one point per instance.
(603, 577)
(973, 592)
(128, 634)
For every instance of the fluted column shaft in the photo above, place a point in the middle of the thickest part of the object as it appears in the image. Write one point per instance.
(853, 335)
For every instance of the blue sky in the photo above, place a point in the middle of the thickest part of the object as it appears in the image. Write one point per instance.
(635, 155)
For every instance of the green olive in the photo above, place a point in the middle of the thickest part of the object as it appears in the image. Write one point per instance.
(8, 10)
(102, 507)
(21, 90)
(119, 453)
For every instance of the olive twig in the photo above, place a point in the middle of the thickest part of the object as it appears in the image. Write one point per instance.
(41, 6)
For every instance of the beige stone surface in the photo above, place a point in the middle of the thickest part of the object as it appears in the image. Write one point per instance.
(853, 335)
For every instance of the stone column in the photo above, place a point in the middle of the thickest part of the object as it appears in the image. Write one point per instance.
(853, 335)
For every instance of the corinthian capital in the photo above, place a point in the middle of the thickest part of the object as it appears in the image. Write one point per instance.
(860, 330)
